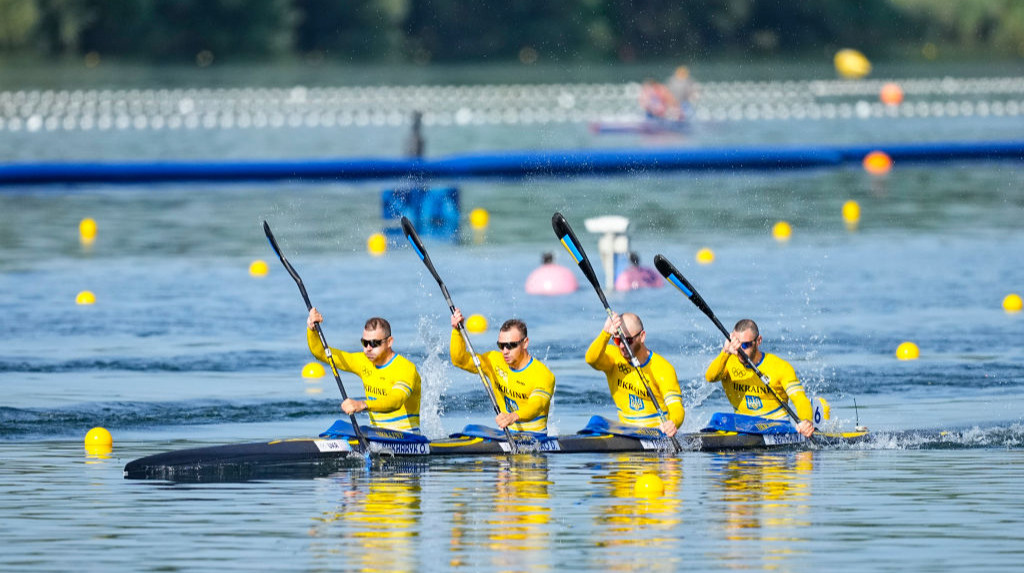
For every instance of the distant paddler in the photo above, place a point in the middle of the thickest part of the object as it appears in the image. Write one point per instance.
(522, 384)
(658, 102)
(391, 382)
(635, 406)
(745, 390)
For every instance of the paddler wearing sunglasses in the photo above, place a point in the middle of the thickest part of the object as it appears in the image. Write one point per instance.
(745, 390)
(391, 382)
(627, 388)
(522, 384)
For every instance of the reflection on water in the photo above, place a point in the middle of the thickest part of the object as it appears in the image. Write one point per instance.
(511, 522)
(625, 522)
(762, 497)
(374, 525)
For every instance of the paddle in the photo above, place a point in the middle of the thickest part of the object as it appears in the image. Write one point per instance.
(327, 349)
(672, 275)
(421, 251)
(564, 233)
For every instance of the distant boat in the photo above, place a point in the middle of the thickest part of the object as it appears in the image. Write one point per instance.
(647, 125)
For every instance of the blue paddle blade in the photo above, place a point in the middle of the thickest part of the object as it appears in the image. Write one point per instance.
(573, 249)
(672, 275)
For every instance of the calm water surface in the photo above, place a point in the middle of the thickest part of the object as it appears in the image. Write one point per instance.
(184, 348)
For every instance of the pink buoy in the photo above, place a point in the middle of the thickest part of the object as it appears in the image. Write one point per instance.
(638, 277)
(551, 279)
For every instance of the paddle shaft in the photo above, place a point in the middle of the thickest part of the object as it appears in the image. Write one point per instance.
(319, 331)
(421, 252)
(568, 238)
(672, 275)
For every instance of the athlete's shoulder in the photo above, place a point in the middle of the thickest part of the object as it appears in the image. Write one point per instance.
(661, 362)
(774, 361)
(405, 364)
(539, 367)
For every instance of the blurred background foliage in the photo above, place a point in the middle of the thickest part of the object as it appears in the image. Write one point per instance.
(424, 31)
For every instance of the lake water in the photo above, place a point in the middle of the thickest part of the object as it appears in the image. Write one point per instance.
(184, 348)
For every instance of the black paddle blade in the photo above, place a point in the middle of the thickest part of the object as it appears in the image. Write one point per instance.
(270, 237)
(672, 275)
(414, 239)
(564, 233)
(287, 266)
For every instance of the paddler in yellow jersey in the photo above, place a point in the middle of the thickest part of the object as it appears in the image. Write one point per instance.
(745, 390)
(391, 382)
(522, 385)
(635, 405)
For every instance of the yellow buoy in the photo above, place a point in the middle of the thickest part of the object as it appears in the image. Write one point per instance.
(877, 163)
(648, 485)
(851, 211)
(479, 218)
(851, 214)
(85, 297)
(1012, 303)
(259, 268)
(705, 256)
(782, 231)
(313, 370)
(98, 439)
(87, 230)
(476, 324)
(891, 94)
(377, 244)
(907, 351)
(851, 64)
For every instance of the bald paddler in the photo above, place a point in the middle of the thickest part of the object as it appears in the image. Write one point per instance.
(745, 390)
(636, 407)
(522, 384)
(391, 382)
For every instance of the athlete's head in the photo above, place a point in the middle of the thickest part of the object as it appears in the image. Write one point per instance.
(633, 329)
(513, 343)
(377, 340)
(749, 336)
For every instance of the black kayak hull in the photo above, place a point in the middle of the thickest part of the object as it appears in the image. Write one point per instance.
(314, 456)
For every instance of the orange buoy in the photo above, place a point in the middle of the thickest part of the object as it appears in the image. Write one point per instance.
(891, 94)
(877, 163)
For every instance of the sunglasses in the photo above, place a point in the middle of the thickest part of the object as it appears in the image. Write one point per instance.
(628, 339)
(509, 345)
(747, 345)
(371, 343)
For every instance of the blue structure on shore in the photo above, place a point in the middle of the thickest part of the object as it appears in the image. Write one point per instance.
(552, 163)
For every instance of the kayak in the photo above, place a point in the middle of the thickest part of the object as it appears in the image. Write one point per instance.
(646, 126)
(338, 445)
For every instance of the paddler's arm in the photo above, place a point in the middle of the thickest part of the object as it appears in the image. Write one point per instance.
(597, 355)
(802, 405)
(668, 383)
(538, 403)
(394, 399)
(534, 406)
(317, 347)
(716, 370)
(460, 356)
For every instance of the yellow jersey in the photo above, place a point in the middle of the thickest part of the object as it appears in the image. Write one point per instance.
(627, 389)
(749, 395)
(527, 391)
(392, 390)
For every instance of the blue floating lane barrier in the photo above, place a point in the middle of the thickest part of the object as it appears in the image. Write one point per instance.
(505, 164)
